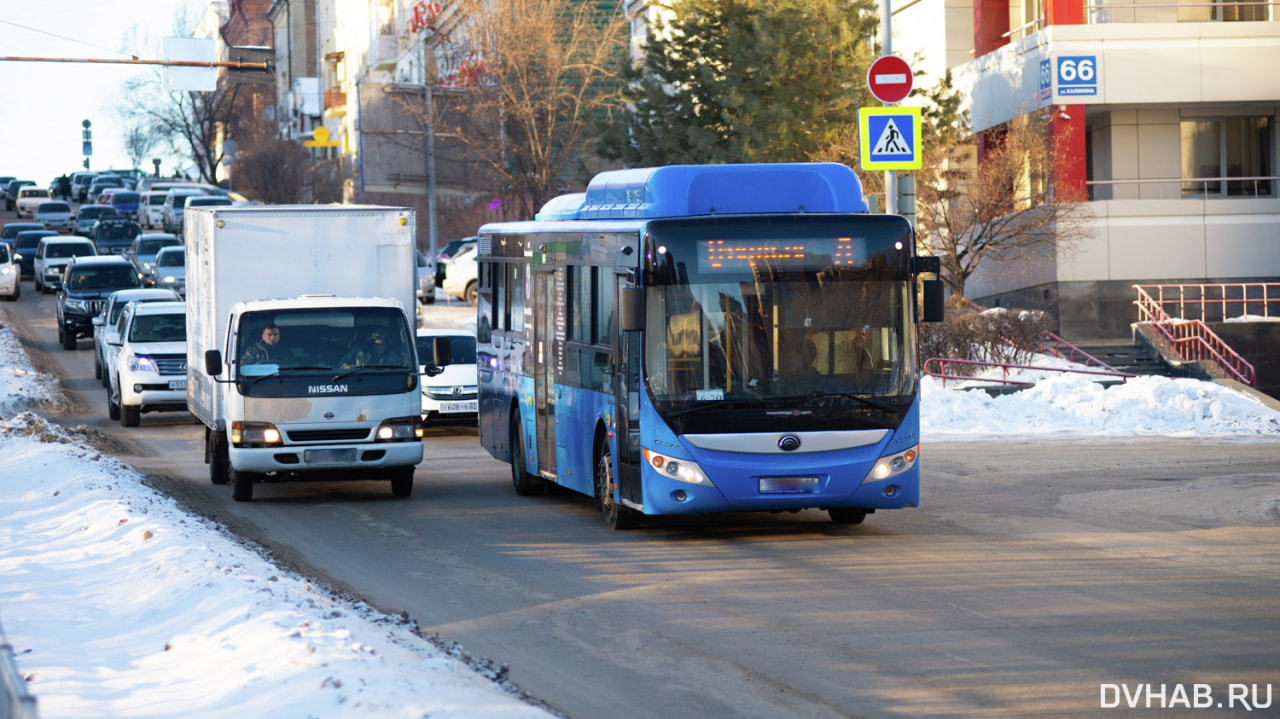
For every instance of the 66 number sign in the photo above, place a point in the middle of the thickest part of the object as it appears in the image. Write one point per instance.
(1077, 75)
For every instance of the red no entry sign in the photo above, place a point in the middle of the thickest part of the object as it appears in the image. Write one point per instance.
(889, 79)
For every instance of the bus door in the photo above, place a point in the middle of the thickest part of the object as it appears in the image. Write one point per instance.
(626, 388)
(544, 401)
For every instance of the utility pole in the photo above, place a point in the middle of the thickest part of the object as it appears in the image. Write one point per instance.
(886, 48)
(429, 151)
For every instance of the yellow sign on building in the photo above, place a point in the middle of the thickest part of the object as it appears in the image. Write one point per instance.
(321, 139)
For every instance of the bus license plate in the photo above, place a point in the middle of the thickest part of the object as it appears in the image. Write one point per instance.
(788, 485)
(468, 406)
(177, 384)
(329, 456)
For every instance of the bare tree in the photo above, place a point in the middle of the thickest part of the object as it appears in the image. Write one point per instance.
(1005, 209)
(276, 171)
(137, 143)
(534, 74)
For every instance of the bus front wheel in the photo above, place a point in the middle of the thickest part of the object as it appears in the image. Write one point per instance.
(526, 484)
(616, 516)
(847, 515)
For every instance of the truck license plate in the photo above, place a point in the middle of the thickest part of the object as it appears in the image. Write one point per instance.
(788, 485)
(329, 456)
(177, 384)
(469, 406)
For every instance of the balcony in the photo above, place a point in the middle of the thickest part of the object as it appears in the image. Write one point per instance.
(383, 53)
(335, 102)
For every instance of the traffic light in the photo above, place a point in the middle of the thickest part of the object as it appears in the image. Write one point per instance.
(86, 163)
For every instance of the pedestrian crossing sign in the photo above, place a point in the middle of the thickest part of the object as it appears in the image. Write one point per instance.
(890, 138)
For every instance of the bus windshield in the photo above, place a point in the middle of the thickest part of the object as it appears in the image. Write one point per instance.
(803, 317)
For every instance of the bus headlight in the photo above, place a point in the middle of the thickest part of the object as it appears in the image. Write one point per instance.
(255, 435)
(893, 465)
(399, 429)
(681, 470)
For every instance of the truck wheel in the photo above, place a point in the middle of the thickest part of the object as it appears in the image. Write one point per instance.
(130, 416)
(68, 338)
(219, 463)
(402, 481)
(242, 485)
(616, 516)
(847, 515)
(113, 408)
(526, 484)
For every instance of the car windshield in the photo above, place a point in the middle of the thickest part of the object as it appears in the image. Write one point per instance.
(116, 232)
(462, 349)
(124, 198)
(155, 200)
(171, 259)
(27, 240)
(69, 249)
(151, 247)
(207, 201)
(92, 212)
(98, 278)
(53, 207)
(158, 328)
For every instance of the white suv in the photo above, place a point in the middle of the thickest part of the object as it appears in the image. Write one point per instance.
(52, 255)
(147, 361)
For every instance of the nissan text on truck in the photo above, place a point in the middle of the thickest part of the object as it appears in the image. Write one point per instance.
(300, 356)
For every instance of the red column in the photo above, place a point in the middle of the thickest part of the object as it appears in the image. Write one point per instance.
(1064, 12)
(1069, 168)
(990, 23)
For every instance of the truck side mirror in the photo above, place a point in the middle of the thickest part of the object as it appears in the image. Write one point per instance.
(441, 352)
(213, 363)
(631, 309)
(933, 300)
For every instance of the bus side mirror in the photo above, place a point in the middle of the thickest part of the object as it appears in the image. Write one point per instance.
(933, 300)
(213, 363)
(631, 309)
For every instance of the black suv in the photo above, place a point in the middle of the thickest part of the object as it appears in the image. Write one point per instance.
(113, 236)
(85, 285)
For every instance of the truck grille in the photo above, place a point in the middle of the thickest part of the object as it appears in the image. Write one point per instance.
(171, 364)
(328, 435)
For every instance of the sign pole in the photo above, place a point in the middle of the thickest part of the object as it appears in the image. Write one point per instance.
(886, 49)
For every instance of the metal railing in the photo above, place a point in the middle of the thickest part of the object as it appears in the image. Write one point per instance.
(1129, 12)
(1234, 187)
(1217, 301)
(1191, 340)
(937, 367)
(16, 701)
(1054, 346)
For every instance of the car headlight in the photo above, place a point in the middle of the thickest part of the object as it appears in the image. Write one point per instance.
(168, 279)
(399, 429)
(81, 306)
(140, 363)
(893, 465)
(6, 270)
(255, 435)
(682, 470)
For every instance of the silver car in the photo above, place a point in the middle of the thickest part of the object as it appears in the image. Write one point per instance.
(56, 215)
(171, 269)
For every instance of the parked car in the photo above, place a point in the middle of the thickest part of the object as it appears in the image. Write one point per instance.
(460, 275)
(171, 269)
(29, 198)
(113, 235)
(26, 244)
(56, 215)
(11, 192)
(446, 253)
(80, 185)
(100, 183)
(426, 280)
(151, 209)
(10, 231)
(147, 361)
(175, 201)
(87, 215)
(143, 252)
(10, 274)
(52, 256)
(86, 284)
(451, 396)
(104, 323)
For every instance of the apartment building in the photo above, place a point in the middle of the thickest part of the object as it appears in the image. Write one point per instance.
(1173, 108)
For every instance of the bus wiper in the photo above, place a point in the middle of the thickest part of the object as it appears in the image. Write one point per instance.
(869, 402)
(716, 404)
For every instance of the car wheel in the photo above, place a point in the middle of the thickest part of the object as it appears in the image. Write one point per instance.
(39, 287)
(616, 516)
(526, 484)
(470, 294)
(402, 481)
(17, 290)
(242, 485)
(130, 416)
(113, 406)
(97, 366)
(68, 338)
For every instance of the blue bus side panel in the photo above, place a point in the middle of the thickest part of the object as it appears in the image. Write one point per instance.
(578, 413)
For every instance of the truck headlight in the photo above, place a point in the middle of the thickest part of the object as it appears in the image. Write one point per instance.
(399, 429)
(141, 363)
(255, 435)
(681, 470)
(893, 464)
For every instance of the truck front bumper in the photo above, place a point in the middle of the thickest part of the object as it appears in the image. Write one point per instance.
(333, 459)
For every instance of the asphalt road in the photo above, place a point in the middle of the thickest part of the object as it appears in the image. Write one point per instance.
(1033, 576)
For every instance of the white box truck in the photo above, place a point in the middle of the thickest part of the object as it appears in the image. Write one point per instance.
(300, 347)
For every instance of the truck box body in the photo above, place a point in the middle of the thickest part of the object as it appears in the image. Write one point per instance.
(328, 276)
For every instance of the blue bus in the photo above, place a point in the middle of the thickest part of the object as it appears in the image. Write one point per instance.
(719, 338)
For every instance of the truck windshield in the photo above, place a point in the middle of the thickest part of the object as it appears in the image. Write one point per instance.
(326, 341)
(807, 318)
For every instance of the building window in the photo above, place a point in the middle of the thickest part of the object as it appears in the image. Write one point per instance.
(1216, 150)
